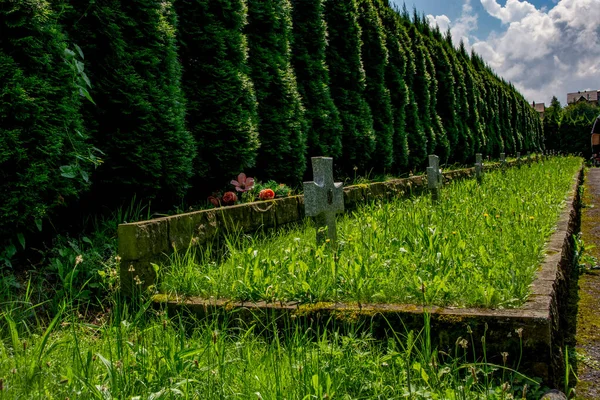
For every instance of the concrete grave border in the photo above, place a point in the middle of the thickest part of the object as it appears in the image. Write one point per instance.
(541, 321)
(144, 243)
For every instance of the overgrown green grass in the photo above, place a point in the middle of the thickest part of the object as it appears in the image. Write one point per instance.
(479, 245)
(144, 355)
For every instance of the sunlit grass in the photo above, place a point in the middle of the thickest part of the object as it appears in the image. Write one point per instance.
(480, 245)
(136, 355)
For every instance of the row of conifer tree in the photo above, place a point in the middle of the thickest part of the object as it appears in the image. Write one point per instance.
(182, 95)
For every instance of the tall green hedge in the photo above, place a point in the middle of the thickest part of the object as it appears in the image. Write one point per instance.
(375, 57)
(348, 84)
(395, 78)
(221, 103)
(268, 85)
(138, 119)
(41, 127)
(282, 125)
(324, 134)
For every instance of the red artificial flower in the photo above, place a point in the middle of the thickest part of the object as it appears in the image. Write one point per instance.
(266, 194)
(243, 183)
(229, 198)
(214, 201)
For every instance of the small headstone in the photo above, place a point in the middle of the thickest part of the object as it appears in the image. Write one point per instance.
(479, 166)
(554, 395)
(323, 199)
(434, 176)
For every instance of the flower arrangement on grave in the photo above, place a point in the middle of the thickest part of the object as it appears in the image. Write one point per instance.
(249, 190)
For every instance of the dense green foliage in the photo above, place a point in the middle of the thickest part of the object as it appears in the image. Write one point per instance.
(348, 83)
(478, 246)
(375, 61)
(41, 130)
(138, 118)
(282, 124)
(187, 94)
(569, 129)
(221, 104)
(324, 135)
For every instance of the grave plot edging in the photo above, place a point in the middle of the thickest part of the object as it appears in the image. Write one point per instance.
(142, 244)
(539, 327)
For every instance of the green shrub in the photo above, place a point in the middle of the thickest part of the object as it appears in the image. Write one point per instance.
(395, 78)
(138, 119)
(282, 125)
(375, 58)
(348, 83)
(221, 103)
(40, 121)
(324, 134)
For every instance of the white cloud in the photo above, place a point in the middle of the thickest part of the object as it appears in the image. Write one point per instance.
(462, 28)
(545, 52)
(514, 10)
(440, 20)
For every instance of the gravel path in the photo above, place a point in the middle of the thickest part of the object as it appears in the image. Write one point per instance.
(588, 316)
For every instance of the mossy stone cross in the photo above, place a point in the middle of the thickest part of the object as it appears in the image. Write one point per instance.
(323, 199)
(479, 166)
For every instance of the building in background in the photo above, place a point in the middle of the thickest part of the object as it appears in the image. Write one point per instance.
(591, 96)
(540, 108)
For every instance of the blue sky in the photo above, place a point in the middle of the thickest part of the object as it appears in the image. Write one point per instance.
(545, 47)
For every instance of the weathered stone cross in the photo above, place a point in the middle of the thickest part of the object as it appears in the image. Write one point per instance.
(434, 176)
(323, 199)
(478, 166)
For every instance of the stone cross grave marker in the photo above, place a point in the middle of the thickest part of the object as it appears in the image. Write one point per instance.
(478, 166)
(434, 176)
(323, 199)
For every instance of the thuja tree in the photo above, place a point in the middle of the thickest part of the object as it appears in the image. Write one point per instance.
(395, 73)
(463, 150)
(40, 120)
(473, 119)
(221, 103)
(421, 87)
(348, 83)
(324, 133)
(415, 131)
(138, 118)
(282, 126)
(446, 104)
(375, 60)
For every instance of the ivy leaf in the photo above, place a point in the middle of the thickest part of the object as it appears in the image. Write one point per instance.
(84, 175)
(68, 171)
(21, 239)
(38, 223)
(79, 51)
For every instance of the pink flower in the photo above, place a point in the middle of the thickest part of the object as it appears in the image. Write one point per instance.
(243, 183)
(266, 194)
(229, 198)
